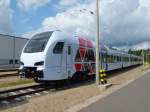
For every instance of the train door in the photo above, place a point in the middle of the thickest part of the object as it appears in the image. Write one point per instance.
(103, 61)
(58, 55)
(68, 60)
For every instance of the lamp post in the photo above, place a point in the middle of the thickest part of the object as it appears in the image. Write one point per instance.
(97, 44)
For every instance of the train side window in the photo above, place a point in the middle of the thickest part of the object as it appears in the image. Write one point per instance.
(78, 58)
(125, 59)
(91, 55)
(69, 50)
(58, 48)
(10, 61)
(108, 58)
(104, 58)
(128, 59)
(118, 59)
(112, 59)
(16, 61)
(115, 59)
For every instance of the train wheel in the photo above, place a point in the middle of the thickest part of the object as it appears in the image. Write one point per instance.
(60, 83)
(68, 81)
(85, 75)
(80, 76)
(36, 80)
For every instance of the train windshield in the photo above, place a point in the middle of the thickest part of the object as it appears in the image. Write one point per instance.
(38, 43)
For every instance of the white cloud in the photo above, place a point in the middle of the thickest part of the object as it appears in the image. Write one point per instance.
(128, 22)
(5, 17)
(122, 22)
(142, 45)
(27, 5)
(68, 2)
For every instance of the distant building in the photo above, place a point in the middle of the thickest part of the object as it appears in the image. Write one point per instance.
(10, 50)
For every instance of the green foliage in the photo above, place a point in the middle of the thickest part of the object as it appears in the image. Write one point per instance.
(15, 83)
(141, 52)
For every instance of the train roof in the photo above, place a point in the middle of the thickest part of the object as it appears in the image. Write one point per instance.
(69, 37)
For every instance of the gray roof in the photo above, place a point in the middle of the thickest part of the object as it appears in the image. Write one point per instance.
(11, 36)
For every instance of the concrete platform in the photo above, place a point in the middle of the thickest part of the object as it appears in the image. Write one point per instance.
(104, 86)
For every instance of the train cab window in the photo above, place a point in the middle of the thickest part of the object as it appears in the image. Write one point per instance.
(38, 43)
(58, 48)
(69, 50)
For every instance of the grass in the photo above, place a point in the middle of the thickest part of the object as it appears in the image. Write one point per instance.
(16, 83)
(146, 66)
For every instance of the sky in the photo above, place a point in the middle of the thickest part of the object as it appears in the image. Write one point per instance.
(123, 23)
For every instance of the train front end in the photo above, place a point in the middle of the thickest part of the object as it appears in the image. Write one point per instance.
(33, 55)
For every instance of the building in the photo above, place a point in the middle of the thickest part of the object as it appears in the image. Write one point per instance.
(10, 50)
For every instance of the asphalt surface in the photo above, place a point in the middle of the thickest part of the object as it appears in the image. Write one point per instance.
(135, 97)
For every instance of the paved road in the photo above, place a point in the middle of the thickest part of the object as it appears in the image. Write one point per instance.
(135, 97)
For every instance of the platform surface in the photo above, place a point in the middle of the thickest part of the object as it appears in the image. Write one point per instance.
(135, 97)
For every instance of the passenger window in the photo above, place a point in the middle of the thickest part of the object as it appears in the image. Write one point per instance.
(118, 59)
(90, 55)
(115, 59)
(16, 61)
(108, 58)
(103, 57)
(10, 61)
(58, 48)
(78, 58)
(69, 50)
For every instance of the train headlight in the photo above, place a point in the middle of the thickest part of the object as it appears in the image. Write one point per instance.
(40, 68)
(39, 63)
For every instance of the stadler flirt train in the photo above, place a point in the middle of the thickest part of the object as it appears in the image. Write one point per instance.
(57, 55)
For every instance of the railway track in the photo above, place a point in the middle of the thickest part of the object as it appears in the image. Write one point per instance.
(19, 94)
(9, 97)
(8, 75)
(7, 69)
(4, 73)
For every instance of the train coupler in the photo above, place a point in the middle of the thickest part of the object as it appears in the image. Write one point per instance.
(30, 73)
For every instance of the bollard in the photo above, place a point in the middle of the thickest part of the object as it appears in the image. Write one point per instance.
(103, 77)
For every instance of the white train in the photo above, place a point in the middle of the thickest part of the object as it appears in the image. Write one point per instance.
(56, 55)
